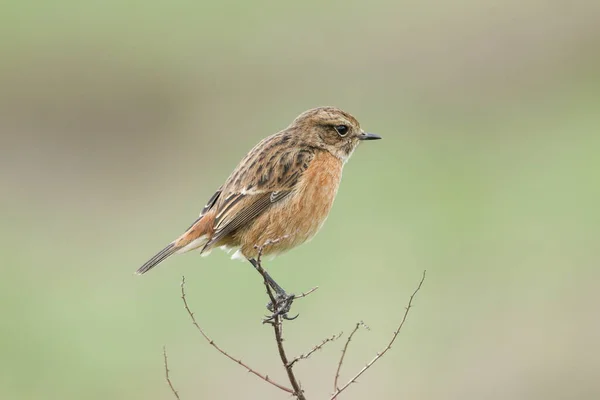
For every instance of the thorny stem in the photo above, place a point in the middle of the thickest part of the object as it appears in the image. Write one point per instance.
(167, 374)
(276, 322)
(220, 350)
(316, 348)
(344, 350)
(389, 346)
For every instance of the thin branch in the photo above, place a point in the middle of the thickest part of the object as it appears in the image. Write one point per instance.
(276, 322)
(389, 346)
(266, 244)
(316, 348)
(167, 374)
(344, 350)
(220, 350)
(301, 295)
(278, 329)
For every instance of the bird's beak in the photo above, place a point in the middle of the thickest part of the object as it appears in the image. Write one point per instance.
(368, 136)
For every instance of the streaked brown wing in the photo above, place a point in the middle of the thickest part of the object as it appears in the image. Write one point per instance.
(265, 185)
(249, 207)
(211, 202)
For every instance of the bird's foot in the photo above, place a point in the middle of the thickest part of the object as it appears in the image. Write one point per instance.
(283, 304)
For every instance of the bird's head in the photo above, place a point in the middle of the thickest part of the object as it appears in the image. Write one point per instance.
(330, 129)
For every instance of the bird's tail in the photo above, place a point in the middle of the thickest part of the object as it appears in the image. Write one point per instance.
(157, 259)
(194, 237)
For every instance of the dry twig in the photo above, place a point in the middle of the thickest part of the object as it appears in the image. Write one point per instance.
(220, 350)
(278, 329)
(316, 348)
(277, 324)
(167, 374)
(344, 350)
(301, 295)
(380, 354)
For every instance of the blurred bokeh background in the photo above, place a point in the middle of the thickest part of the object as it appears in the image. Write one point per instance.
(119, 119)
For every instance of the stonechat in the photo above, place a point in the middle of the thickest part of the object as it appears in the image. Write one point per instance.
(283, 189)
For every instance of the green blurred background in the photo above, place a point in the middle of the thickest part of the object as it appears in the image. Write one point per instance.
(119, 119)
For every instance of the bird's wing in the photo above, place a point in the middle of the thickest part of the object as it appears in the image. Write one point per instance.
(211, 202)
(258, 183)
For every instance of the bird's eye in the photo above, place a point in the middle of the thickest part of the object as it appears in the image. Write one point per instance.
(342, 130)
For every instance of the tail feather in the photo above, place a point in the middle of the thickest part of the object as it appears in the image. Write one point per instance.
(195, 237)
(157, 259)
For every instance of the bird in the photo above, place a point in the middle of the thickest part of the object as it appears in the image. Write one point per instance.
(281, 192)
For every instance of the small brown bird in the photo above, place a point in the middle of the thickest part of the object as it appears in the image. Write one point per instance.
(283, 189)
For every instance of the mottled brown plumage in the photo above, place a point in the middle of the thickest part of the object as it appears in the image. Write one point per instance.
(283, 189)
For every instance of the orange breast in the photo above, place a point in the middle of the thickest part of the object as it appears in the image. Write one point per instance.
(299, 216)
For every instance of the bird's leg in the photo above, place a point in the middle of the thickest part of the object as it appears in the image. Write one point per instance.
(283, 300)
(274, 285)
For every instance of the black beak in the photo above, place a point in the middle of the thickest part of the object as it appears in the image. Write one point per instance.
(368, 136)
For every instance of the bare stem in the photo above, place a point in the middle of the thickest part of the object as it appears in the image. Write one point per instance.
(167, 374)
(389, 346)
(277, 323)
(316, 348)
(278, 329)
(220, 350)
(344, 350)
(301, 295)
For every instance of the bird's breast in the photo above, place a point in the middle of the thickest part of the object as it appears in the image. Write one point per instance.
(317, 191)
(299, 216)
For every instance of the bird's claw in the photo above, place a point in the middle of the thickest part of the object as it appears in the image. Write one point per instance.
(283, 304)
